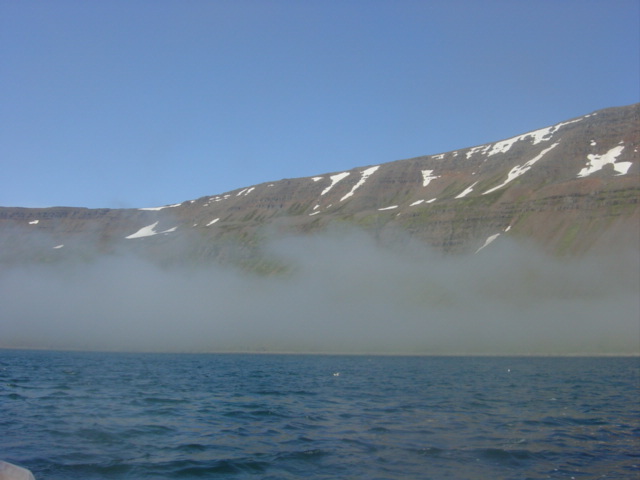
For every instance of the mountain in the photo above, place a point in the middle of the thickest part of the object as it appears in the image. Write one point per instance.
(337, 263)
(570, 188)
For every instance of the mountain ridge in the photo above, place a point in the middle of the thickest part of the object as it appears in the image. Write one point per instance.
(570, 188)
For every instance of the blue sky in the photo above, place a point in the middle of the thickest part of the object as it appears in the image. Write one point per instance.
(140, 103)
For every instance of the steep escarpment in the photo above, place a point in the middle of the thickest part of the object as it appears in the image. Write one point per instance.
(569, 188)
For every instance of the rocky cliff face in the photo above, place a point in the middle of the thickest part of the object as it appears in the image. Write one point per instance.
(571, 188)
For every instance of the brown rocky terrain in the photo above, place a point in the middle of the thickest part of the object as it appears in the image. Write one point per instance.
(570, 188)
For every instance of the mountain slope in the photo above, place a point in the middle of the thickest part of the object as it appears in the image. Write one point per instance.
(571, 188)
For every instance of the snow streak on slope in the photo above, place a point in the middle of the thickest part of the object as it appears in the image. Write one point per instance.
(488, 241)
(365, 174)
(518, 170)
(542, 135)
(335, 179)
(467, 191)
(161, 208)
(537, 136)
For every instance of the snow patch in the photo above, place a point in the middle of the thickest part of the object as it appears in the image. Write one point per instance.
(597, 162)
(467, 191)
(418, 202)
(212, 222)
(518, 170)
(488, 241)
(365, 174)
(388, 208)
(216, 199)
(537, 136)
(334, 180)
(160, 208)
(144, 231)
(149, 231)
(316, 179)
(427, 176)
(34, 222)
(58, 246)
(482, 149)
(314, 213)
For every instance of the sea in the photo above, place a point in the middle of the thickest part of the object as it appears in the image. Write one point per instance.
(79, 415)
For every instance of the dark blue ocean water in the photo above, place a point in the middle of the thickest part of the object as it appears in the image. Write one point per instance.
(159, 416)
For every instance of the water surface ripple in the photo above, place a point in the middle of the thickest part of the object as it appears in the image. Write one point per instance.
(96, 416)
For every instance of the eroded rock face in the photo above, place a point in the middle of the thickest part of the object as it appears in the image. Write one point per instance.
(571, 187)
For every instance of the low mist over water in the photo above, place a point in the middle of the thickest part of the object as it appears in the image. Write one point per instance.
(343, 292)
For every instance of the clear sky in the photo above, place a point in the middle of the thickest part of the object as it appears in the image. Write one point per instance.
(141, 103)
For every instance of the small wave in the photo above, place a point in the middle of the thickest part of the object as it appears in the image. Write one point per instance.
(585, 421)
(192, 469)
(505, 457)
(161, 400)
(298, 440)
(85, 470)
(278, 393)
(304, 426)
(378, 430)
(266, 413)
(98, 436)
(359, 444)
(56, 394)
(191, 448)
(428, 451)
(14, 396)
(148, 430)
(305, 392)
(306, 455)
(253, 414)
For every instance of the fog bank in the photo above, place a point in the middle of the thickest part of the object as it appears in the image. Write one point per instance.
(345, 293)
